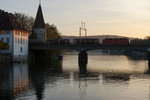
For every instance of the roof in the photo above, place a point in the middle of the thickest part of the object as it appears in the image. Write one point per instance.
(8, 22)
(39, 21)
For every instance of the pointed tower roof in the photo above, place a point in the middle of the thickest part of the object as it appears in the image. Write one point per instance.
(39, 21)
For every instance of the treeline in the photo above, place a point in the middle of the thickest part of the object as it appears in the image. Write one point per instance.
(27, 23)
(146, 40)
(52, 31)
(4, 46)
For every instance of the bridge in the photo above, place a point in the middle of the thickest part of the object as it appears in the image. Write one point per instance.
(83, 56)
(88, 47)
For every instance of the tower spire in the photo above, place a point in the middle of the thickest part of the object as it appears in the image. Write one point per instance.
(39, 24)
(39, 1)
(39, 20)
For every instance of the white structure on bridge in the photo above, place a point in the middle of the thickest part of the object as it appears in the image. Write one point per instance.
(12, 33)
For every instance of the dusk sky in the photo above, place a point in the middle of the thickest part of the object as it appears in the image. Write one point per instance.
(102, 17)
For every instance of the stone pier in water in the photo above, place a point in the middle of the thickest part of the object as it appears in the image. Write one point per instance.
(82, 61)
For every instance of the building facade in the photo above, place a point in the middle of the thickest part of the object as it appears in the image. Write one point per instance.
(12, 33)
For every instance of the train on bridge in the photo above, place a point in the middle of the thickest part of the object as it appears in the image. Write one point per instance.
(116, 41)
(89, 41)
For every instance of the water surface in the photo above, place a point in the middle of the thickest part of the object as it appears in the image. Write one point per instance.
(108, 77)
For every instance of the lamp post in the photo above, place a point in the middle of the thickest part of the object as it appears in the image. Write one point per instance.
(82, 28)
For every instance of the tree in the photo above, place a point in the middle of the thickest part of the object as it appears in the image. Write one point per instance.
(4, 46)
(25, 21)
(52, 32)
(147, 38)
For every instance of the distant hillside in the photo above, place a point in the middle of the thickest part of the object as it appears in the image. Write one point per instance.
(100, 37)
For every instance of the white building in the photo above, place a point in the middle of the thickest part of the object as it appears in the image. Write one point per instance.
(12, 33)
(39, 26)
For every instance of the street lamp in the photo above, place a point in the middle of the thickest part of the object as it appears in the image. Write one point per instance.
(82, 28)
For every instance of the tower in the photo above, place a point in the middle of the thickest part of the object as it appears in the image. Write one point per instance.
(39, 25)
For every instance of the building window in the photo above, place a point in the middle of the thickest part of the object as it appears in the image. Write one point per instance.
(18, 41)
(21, 41)
(2, 39)
(15, 32)
(7, 40)
(20, 49)
(21, 33)
(15, 40)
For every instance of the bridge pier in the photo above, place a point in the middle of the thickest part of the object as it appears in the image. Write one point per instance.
(149, 59)
(82, 61)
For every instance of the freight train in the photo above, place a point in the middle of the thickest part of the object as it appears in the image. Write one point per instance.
(116, 41)
(86, 41)
(89, 41)
(58, 41)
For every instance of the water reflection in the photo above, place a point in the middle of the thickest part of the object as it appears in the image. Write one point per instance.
(42, 72)
(82, 61)
(115, 78)
(49, 79)
(13, 80)
(82, 68)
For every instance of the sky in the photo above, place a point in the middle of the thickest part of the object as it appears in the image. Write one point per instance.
(102, 17)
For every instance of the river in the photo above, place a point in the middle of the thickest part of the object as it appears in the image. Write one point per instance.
(108, 77)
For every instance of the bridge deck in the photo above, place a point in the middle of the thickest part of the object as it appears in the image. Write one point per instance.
(44, 46)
